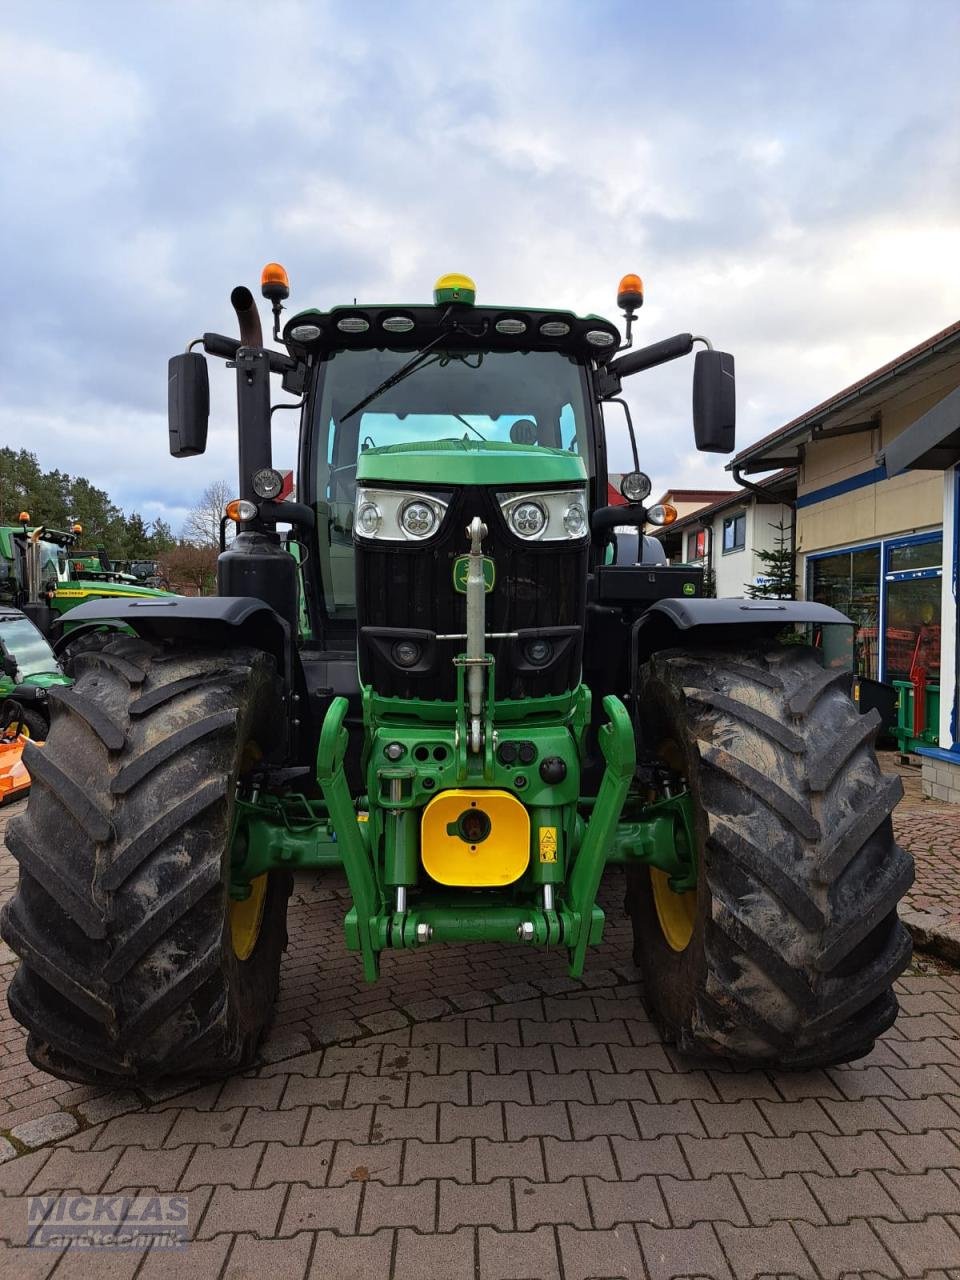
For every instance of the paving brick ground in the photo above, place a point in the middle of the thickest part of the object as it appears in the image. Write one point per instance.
(477, 1114)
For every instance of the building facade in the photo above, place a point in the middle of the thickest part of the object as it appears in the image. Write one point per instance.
(728, 536)
(878, 541)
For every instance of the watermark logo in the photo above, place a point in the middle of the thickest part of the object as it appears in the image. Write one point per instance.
(109, 1222)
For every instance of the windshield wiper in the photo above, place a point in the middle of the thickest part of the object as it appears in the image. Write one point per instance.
(404, 371)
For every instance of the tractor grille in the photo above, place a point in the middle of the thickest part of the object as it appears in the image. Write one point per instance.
(407, 589)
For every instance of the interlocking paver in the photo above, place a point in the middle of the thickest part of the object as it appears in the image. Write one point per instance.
(777, 1199)
(230, 1166)
(844, 1250)
(718, 1155)
(919, 1152)
(918, 1247)
(919, 1195)
(450, 1256)
(438, 1160)
(526, 1255)
(349, 1257)
(278, 1259)
(476, 1204)
(231, 1210)
(366, 1162)
(523, 1159)
(753, 1251)
(327, 1208)
(280, 1163)
(588, 1254)
(399, 1206)
(860, 1195)
(680, 1251)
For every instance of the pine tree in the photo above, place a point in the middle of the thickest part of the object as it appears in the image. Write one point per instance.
(779, 568)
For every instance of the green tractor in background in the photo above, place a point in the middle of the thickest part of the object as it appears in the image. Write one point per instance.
(43, 572)
(29, 671)
(487, 701)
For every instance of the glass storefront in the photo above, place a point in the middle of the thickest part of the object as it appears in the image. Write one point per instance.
(850, 581)
(891, 590)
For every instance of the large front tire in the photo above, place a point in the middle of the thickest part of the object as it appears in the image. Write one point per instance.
(787, 951)
(130, 964)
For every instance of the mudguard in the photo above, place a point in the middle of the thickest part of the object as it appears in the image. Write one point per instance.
(668, 623)
(223, 620)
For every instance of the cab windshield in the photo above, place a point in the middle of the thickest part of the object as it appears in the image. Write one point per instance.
(531, 399)
(24, 643)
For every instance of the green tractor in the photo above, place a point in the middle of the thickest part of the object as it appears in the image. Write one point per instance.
(490, 700)
(28, 672)
(43, 573)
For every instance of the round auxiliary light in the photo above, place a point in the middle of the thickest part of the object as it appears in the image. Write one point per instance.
(662, 513)
(406, 653)
(528, 519)
(305, 332)
(599, 338)
(511, 325)
(536, 652)
(394, 750)
(635, 486)
(418, 519)
(455, 287)
(239, 510)
(369, 519)
(554, 328)
(398, 324)
(575, 520)
(267, 483)
(353, 324)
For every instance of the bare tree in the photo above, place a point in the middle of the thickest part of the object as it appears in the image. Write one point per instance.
(202, 525)
(190, 570)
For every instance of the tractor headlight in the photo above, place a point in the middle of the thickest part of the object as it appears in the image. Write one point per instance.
(392, 515)
(418, 519)
(369, 519)
(546, 517)
(528, 519)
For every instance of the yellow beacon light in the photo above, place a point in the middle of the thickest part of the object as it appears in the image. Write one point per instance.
(455, 288)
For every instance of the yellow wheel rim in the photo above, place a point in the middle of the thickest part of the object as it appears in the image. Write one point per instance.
(246, 918)
(676, 912)
(11, 730)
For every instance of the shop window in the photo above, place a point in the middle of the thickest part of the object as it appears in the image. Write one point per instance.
(735, 532)
(913, 599)
(697, 545)
(850, 581)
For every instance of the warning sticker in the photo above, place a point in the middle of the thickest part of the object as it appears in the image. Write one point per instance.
(548, 844)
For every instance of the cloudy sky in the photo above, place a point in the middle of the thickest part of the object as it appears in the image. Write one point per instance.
(784, 175)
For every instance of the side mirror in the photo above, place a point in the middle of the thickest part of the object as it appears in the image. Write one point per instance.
(714, 402)
(10, 666)
(188, 404)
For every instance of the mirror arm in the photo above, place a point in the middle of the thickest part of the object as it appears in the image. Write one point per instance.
(633, 437)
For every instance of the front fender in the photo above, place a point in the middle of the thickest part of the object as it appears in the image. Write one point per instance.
(704, 621)
(218, 620)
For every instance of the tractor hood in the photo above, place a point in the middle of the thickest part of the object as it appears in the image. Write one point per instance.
(470, 462)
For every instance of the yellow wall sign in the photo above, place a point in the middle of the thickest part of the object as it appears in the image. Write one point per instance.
(548, 844)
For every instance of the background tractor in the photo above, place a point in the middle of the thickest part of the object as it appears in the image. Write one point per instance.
(43, 572)
(28, 672)
(467, 692)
